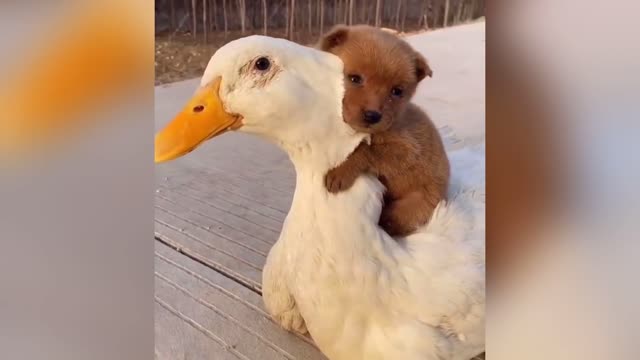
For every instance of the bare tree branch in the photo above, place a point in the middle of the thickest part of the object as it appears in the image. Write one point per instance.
(446, 13)
(350, 12)
(215, 15)
(321, 17)
(286, 29)
(292, 19)
(264, 17)
(205, 29)
(172, 13)
(193, 17)
(224, 12)
(310, 17)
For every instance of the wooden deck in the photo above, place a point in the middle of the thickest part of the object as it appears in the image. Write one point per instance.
(219, 210)
(217, 214)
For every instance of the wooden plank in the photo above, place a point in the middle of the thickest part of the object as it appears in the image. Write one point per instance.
(205, 227)
(176, 338)
(235, 339)
(208, 254)
(229, 312)
(227, 249)
(195, 235)
(253, 188)
(202, 272)
(210, 193)
(244, 157)
(222, 215)
(277, 175)
(216, 209)
(272, 182)
(236, 204)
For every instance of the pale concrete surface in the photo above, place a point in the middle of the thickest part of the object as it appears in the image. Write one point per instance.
(455, 96)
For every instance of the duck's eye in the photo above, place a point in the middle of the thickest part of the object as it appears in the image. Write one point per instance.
(355, 79)
(262, 64)
(397, 91)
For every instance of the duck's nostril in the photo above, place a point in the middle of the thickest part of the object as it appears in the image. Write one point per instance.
(372, 117)
(198, 108)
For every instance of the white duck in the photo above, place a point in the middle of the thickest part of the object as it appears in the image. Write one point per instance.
(360, 293)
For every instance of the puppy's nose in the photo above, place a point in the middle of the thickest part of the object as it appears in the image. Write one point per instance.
(372, 117)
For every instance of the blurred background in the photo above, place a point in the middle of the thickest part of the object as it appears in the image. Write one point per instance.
(189, 31)
(76, 179)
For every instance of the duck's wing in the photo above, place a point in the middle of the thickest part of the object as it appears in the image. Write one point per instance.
(446, 278)
(468, 169)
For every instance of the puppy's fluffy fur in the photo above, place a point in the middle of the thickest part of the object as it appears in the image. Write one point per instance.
(406, 152)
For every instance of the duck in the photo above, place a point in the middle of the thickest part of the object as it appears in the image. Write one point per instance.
(333, 272)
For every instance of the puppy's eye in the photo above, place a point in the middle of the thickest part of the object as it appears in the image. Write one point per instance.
(262, 64)
(397, 91)
(355, 79)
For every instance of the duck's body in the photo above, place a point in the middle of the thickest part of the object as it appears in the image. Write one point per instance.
(364, 295)
(360, 293)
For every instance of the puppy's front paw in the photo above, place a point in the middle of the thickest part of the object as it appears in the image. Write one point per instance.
(387, 225)
(338, 179)
(390, 224)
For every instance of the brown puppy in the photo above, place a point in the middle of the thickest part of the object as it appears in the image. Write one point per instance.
(406, 152)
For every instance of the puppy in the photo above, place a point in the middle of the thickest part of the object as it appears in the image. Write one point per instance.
(406, 152)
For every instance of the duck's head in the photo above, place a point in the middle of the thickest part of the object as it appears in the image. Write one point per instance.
(288, 93)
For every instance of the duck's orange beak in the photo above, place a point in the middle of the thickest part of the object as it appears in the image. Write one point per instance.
(203, 118)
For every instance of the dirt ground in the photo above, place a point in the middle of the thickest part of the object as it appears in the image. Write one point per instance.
(181, 56)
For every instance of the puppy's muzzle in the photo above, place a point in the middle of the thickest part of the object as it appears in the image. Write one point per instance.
(372, 117)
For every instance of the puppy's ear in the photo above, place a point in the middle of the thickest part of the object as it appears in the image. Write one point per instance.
(422, 67)
(336, 36)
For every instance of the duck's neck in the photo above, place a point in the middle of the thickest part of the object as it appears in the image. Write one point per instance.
(321, 155)
(314, 156)
(345, 223)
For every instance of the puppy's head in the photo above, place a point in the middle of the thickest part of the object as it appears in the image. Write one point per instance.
(381, 71)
